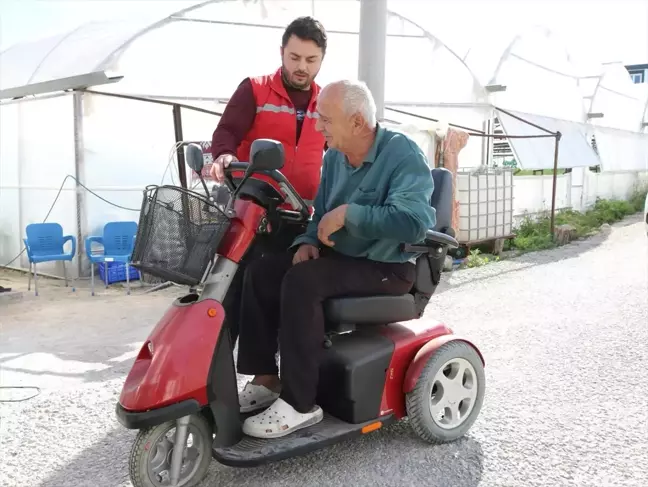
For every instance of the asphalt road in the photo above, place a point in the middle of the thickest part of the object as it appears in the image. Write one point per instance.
(564, 333)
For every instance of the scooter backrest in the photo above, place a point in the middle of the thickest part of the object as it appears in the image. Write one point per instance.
(430, 266)
(441, 199)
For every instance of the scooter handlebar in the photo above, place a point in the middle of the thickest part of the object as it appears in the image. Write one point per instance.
(236, 166)
(300, 212)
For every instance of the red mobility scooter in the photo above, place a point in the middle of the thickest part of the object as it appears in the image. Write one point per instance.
(380, 361)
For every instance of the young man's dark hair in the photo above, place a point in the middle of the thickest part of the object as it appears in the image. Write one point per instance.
(307, 29)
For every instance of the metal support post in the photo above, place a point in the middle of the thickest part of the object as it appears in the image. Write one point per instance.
(177, 128)
(553, 189)
(79, 174)
(372, 49)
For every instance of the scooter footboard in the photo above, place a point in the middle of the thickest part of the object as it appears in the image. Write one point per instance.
(172, 368)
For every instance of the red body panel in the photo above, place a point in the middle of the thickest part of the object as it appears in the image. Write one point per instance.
(183, 344)
(422, 356)
(242, 230)
(408, 339)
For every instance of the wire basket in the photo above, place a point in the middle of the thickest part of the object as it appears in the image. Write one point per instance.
(178, 234)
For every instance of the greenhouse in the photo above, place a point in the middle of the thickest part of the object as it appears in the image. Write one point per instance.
(108, 102)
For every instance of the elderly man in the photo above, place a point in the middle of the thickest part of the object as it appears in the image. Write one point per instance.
(374, 195)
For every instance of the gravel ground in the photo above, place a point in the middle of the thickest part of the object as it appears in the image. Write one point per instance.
(564, 334)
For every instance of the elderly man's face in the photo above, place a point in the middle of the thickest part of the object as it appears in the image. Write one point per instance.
(337, 127)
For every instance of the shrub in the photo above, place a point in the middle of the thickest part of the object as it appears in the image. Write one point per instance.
(638, 196)
(535, 234)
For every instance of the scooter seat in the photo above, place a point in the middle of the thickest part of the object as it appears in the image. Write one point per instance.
(369, 310)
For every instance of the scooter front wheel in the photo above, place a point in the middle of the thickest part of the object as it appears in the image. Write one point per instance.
(152, 460)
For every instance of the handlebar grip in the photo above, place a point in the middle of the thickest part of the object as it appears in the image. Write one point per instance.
(236, 166)
(293, 215)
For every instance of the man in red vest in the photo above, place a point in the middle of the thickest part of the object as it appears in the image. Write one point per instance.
(279, 106)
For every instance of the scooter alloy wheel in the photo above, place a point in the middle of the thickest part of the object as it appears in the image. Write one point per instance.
(448, 395)
(151, 458)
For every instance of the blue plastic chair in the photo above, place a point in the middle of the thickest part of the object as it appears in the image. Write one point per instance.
(44, 243)
(118, 242)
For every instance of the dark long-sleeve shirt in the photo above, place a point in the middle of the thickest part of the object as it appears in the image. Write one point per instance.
(239, 115)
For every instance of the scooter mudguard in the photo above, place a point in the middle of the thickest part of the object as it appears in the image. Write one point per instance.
(423, 355)
(174, 362)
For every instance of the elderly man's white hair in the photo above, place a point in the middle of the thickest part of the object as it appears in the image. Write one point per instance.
(357, 98)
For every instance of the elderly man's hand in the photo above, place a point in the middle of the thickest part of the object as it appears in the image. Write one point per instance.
(305, 252)
(331, 223)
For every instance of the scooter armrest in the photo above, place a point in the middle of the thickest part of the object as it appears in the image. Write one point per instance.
(433, 240)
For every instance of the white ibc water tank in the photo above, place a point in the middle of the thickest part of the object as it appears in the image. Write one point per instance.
(485, 199)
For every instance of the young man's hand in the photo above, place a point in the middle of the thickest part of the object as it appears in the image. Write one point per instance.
(218, 168)
(305, 252)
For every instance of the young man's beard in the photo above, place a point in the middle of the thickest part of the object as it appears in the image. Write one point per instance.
(287, 79)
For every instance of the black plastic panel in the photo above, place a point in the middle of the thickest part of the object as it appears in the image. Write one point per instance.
(352, 375)
(222, 392)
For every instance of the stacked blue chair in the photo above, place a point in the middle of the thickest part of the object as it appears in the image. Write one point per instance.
(45, 242)
(118, 241)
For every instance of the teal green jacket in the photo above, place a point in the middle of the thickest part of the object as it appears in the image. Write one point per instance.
(388, 197)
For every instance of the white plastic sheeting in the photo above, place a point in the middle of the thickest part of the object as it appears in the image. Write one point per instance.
(621, 101)
(609, 185)
(538, 153)
(620, 144)
(536, 69)
(532, 194)
(86, 49)
(127, 145)
(35, 155)
(187, 54)
(621, 150)
(196, 54)
(161, 65)
(165, 56)
(616, 150)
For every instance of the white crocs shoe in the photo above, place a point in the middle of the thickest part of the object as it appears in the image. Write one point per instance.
(254, 397)
(279, 420)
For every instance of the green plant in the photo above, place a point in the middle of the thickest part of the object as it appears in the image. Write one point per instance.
(609, 211)
(474, 259)
(534, 234)
(638, 196)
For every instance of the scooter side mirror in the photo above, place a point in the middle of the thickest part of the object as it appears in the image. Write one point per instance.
(266, 155)
(194, 157)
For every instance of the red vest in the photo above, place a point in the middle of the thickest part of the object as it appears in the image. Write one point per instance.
(276, 118)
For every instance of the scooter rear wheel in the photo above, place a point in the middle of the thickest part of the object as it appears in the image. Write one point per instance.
(448, 395)
(150, 458)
